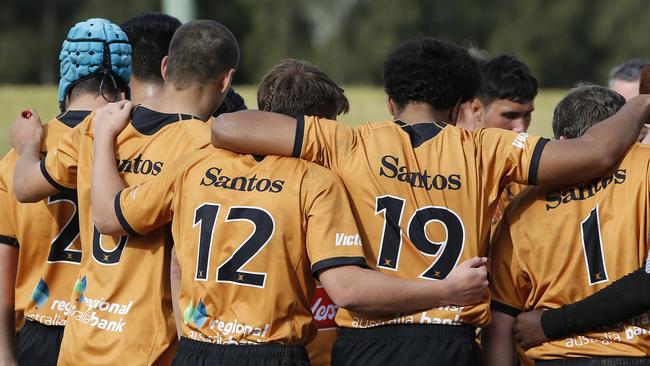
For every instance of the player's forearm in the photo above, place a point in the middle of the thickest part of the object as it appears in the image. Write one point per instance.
(373, 292)
(617, 302)
(597, 151)
(255, 132)
(29, 183)
(106, 183)
(497, 342)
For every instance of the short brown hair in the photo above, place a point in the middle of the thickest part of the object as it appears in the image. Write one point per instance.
(296, 88)
(200, 51)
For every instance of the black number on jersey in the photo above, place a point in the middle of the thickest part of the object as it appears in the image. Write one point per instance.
(60, 251)
(231, 270)
(592, 246)
(447, 252)
(107, 257)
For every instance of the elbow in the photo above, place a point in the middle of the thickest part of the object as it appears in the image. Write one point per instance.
(105, 226)
(346, 296)
(23, 195)
(222, 131)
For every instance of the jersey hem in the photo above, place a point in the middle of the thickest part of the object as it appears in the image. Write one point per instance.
(10, 241)
(534, 163)
(506, 309)
(51, 180)
(337, 262)
(300, 134)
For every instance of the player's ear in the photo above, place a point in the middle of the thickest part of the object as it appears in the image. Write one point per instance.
(562, 138)
(163, 67)
(225, 80)
(391, 106)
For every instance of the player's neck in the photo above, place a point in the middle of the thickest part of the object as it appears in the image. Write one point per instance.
(86, 103)
(192, 101)
(417, 113)
(143, 90)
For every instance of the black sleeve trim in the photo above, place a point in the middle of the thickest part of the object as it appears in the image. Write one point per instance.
(121, 218)
(337, 262)
(300, 134)
(506, 309)
(8, 240)
(51, 180)
(534, 163)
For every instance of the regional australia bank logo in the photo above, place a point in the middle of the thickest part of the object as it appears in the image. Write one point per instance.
(40, 294)
(196, 315)
(80, 288)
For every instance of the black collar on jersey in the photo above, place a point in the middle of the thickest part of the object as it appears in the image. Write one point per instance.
(420, 133)
(72, 118)
(148, 122)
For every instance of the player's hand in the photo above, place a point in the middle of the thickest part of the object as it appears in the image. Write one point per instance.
(528, 329)
(111, 119)
(469, 282)
(26, 131)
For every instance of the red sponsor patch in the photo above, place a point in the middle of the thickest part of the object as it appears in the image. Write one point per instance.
(323, 309)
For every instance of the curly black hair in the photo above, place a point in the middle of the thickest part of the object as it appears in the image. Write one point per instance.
(432, 71)
(505, 77)
(149, 34)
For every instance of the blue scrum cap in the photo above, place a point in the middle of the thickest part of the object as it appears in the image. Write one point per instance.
(94, 47)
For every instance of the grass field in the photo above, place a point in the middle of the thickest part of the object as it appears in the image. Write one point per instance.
(367, 104)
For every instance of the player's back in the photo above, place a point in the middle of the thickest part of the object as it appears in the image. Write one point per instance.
(423, 196)
(561, 244)
(121, 305)
(250, 235)
(48, 235)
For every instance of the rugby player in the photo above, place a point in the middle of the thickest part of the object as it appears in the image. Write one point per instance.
(591, 225)
(295, 236)
(424, 192)
(120, 311)
(47, 233)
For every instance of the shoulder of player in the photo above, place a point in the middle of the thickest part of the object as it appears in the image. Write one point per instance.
(196, 131)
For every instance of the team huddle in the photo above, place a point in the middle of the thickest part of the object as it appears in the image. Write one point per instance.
(156, 221)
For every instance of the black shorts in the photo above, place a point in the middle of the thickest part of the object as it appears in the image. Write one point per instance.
(598, 361)
(407, 345)
(196, 353)
(39, 344)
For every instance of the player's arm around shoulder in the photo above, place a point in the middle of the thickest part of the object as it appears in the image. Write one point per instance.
(255, 132)
(598, 150)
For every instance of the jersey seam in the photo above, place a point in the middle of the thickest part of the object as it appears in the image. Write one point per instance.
(53, 182)
(337, 262)
(505, 308)
(10, 241)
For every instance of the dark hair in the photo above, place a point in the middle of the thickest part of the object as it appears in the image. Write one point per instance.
(201, 51)
(584, 106)
(149, 35)
(629, 70)
(432, 71)
(299, 88)
(505, 77)
(95, 85)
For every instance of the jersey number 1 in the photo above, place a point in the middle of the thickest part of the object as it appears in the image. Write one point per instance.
(592, 246)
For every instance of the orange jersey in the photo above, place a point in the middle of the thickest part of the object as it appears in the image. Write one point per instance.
(324, 312)
(48, 233)
(511, 191)
(555, 246)
(120, 310)
(423, 195)
(249, 236)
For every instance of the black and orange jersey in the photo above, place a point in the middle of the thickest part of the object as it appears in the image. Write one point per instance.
(48, 235)
(8, 238)
(423, 195)
(509, 193)
(557, 245)
(250, 236)
(120, 311)
(324, 312)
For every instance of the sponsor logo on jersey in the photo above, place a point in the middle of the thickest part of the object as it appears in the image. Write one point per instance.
(520, 140)
(323, 309)
(390, 168)
(196, 315)
(558, 197)
(41, 293)
(214, 177)
(343, 240)
(139, 166)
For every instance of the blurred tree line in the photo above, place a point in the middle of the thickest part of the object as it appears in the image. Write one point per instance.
(562, 41)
